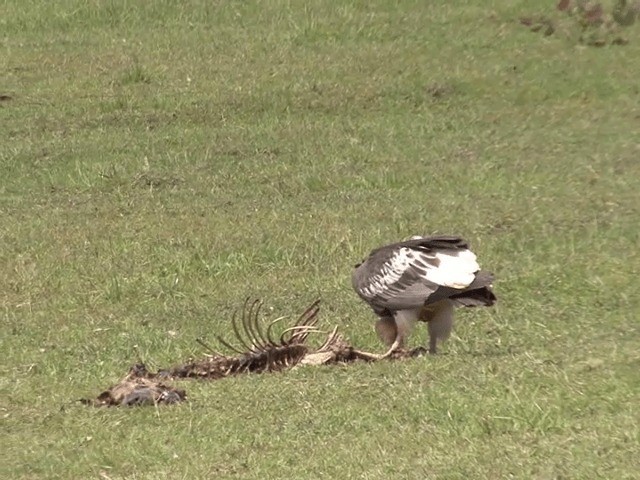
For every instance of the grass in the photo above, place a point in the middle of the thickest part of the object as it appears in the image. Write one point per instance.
(161, 160)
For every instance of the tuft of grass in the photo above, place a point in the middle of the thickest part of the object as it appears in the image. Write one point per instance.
(161, 161)
(135, 74)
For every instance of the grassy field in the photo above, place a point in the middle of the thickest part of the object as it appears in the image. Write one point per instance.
(162, 160)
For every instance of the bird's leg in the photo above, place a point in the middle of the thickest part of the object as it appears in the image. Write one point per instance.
(440, 324)
(432, 342)
(392, 330)
(405, 322)
(386, 330)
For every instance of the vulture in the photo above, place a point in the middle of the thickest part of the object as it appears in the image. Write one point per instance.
(421, 279)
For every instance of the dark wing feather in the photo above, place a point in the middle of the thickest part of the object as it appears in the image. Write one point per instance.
(479, 293)
(389, 281)
(429, 244)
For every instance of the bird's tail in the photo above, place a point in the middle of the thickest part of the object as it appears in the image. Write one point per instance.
(479, 293)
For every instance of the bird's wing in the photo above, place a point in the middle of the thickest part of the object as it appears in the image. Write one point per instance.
(404, 275)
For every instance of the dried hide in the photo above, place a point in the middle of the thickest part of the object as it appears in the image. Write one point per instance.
(136, 389)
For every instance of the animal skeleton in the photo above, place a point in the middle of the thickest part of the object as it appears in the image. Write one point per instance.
(259, 351)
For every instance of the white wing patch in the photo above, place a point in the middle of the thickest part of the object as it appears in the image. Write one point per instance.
(390, 272)
(456, 269)
(447, 268)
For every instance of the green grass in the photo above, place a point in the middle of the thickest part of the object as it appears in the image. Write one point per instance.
(162, 160)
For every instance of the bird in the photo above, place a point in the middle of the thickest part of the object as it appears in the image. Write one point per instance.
(421, 279)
